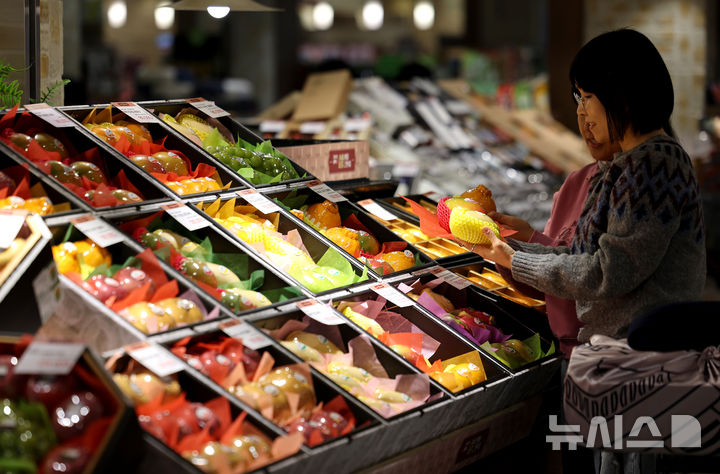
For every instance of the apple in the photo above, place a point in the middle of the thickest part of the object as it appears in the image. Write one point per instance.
(368, 243)
(49, 390)
(50, 143)
(75, 413)
(61, 172)
(148, 163)
(89, 170)
(172, 162)
(68, 458)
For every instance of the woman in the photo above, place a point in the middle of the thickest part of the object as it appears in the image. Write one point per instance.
(640, 240)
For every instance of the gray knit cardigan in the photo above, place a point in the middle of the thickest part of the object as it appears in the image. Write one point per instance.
(640, 241)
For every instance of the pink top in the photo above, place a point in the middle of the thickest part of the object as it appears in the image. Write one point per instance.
(567, 207)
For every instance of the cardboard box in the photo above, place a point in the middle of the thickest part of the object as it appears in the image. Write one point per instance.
(331, 161)
(324, 96)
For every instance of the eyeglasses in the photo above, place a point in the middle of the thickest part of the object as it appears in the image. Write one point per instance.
(581, 101)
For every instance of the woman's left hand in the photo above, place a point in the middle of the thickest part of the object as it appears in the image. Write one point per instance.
(498, 251)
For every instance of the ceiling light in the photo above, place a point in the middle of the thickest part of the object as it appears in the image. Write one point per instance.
(220, 11)
(372, 15)
(323, 16)
(117, 14)
(164, 17)
(424, 15)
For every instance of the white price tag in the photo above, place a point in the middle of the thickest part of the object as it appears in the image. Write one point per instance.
(46, 286)
(250, 337)
(377, 210)
(98, 231)
(10, 224)
(451, 278)
(155, 358)
(135, 112)
(325, 191)
(391, 294)
(50, 114)
(272, 126)
(261, 203)
(311, 128)
(51, 358)
(208, 107)
(184, 215)
(320, 312)
(356, 124)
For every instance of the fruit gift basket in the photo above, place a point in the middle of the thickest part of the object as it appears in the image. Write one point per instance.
(293, 249)
(232, 144)
(213, 261)
(73, 160)
(354, 231)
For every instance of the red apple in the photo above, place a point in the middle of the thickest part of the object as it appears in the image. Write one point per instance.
(67, 458)
(50, 390)
(75, 413)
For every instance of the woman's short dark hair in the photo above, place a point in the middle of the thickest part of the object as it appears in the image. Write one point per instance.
(625, 71)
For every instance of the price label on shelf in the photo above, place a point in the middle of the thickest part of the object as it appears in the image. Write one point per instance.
(250, 337)
(155, 358)
(320, 312)
(208, 107)
(423, 271)
(272, 126)
(98, 231)
(325, 191)
(46, 287)
(135, 112)
(392, 295)
(190, 219)
(50, 114)
(261, 203)
(311, 128)
(377, 210)
(451, 278)
(11, 221)
(50, 358)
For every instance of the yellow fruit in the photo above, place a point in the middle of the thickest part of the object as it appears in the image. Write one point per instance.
(64, 256)
(398, 260)
(468, 225)
(391, 396)
(368, 324)
(350, 384)
(305, 352)
(316, 341)
(361, 375)
(466, 374)
(92, 254)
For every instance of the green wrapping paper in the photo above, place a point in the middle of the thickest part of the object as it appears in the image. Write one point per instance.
(332, 271)
(512, 358)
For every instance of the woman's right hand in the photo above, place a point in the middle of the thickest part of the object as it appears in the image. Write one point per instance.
(524, 230)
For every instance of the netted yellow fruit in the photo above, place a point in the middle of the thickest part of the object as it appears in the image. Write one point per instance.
(468, 225)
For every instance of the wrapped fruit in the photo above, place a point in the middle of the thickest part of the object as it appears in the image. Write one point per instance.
(106, 133)
(482, 196)
(515, 352)
(213, 454)
(222, 274)
(399, 260)
(378, 265)
(444, 303)
(316, 341)
(89, 170)
(302, 350)
(199, 126)
(181, 310)
(195, 417)
(291, 381)
(49, 390)
(194, 185)
(251, 393)
(104, 287)
(242, 300)
(348, 383)
(140, 132)
(68, 458)
(323, 215)
(345, 238)
(38, 205)
(172, 162)
(92, 254)
(251, 446)
(61, 172)
(21, 140)
(391, 396)
(357, 373)
(468, 225)
(195, 269)
(51, 144)
(148, 163)
(148, 317)
(327, 424)
(368, 324)
(458, 377)
(131, 278)
(144, 386)
(160, 237)
(368, 243)
(64, 256)
(75, 413)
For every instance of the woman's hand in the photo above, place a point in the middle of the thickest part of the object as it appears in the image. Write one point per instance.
(498, 251)
(524, 230)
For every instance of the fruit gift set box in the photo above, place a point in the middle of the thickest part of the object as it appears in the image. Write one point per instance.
(74, 160)
(352, 230)
(274, 385)
(231, 143)
(134, 287)
(156, 150)
(194, 421)
(66, 421)
(23, 187)
(482, 322)
(353, 362)
(220, 266)
(286, 244)
(426, 343)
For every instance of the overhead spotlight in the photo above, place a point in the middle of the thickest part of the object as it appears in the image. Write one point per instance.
(117, 14)
(218, 11)
(164, 17)
(372, 15)
(323, 16)
(424, 15)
